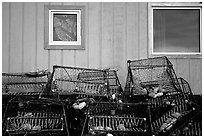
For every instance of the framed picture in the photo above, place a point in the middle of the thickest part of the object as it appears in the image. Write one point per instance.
(64, 27)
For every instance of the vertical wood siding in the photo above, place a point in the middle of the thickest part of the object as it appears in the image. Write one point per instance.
(16, 38)
(42, 55)
(6, 36)
(115, 32)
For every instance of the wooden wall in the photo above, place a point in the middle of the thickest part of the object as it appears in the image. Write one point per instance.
(115, 32)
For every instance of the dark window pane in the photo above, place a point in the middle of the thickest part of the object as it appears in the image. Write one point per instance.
(176, 30)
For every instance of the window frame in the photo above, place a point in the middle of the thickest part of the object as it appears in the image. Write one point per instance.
(172, 5)
(49, 44)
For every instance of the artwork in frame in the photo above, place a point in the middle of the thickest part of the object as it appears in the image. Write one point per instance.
(64, 27)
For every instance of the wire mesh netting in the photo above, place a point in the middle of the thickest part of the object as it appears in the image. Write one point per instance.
(117, 118)
(116, 125)
(84, 81)
(170, 99)
(33, 116)
(186, 89)
(113, 82)
(160, 105)
(32, 83)
(146, 76)
(155, 78)
(191, 128)
(18, 124)
(173, 118)
(115, 108)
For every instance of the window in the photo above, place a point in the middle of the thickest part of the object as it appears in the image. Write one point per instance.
(175, 28)
(64, 27)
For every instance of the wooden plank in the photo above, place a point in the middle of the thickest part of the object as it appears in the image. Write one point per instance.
(120, 36)
(42, 54)
(54, 58)
(94, 37)
(5, 36)
(82, 55)
(16, 37)
(29, 40)
(132, 30)
(196, 76)
(143, 36)
(183, 68)
(68, 58)
(107, 49)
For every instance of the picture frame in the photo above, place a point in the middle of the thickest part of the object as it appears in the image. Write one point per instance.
(64, 27)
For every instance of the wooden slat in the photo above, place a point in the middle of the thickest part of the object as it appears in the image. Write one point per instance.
(120, 39)
(16, 37)
(55, 58)
(42, 54)
(196, 76)
(143, 45)
(81, 55)
(29, 40)
(183, 68)
(107, 56)
(132, 30)
(5, 36)
(94, 25)
(68, 57)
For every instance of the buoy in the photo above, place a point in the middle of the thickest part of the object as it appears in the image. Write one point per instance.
(109, 134)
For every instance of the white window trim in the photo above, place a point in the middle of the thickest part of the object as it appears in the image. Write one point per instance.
(175, 5)
(51, 15)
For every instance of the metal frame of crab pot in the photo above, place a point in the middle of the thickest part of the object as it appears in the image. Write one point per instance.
(71, 84)
(116, 118)
(22, 84)
(150, 73)
(79, 82)
(161, 105)
(147, 74)
(162, 111)
(30, 83)
(173, 119)
(193, 127)
(27, 115)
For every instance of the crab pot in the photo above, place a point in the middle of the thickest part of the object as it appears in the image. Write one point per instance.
(117, 118)
(23, 83)
(186, 89)
(149, 74)
(193, 127)
(174, 118)
(190, 129)
(113, 108)
(163, 104)
(83, 82)
(117, 125)
(113, 82)
(32, 116)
